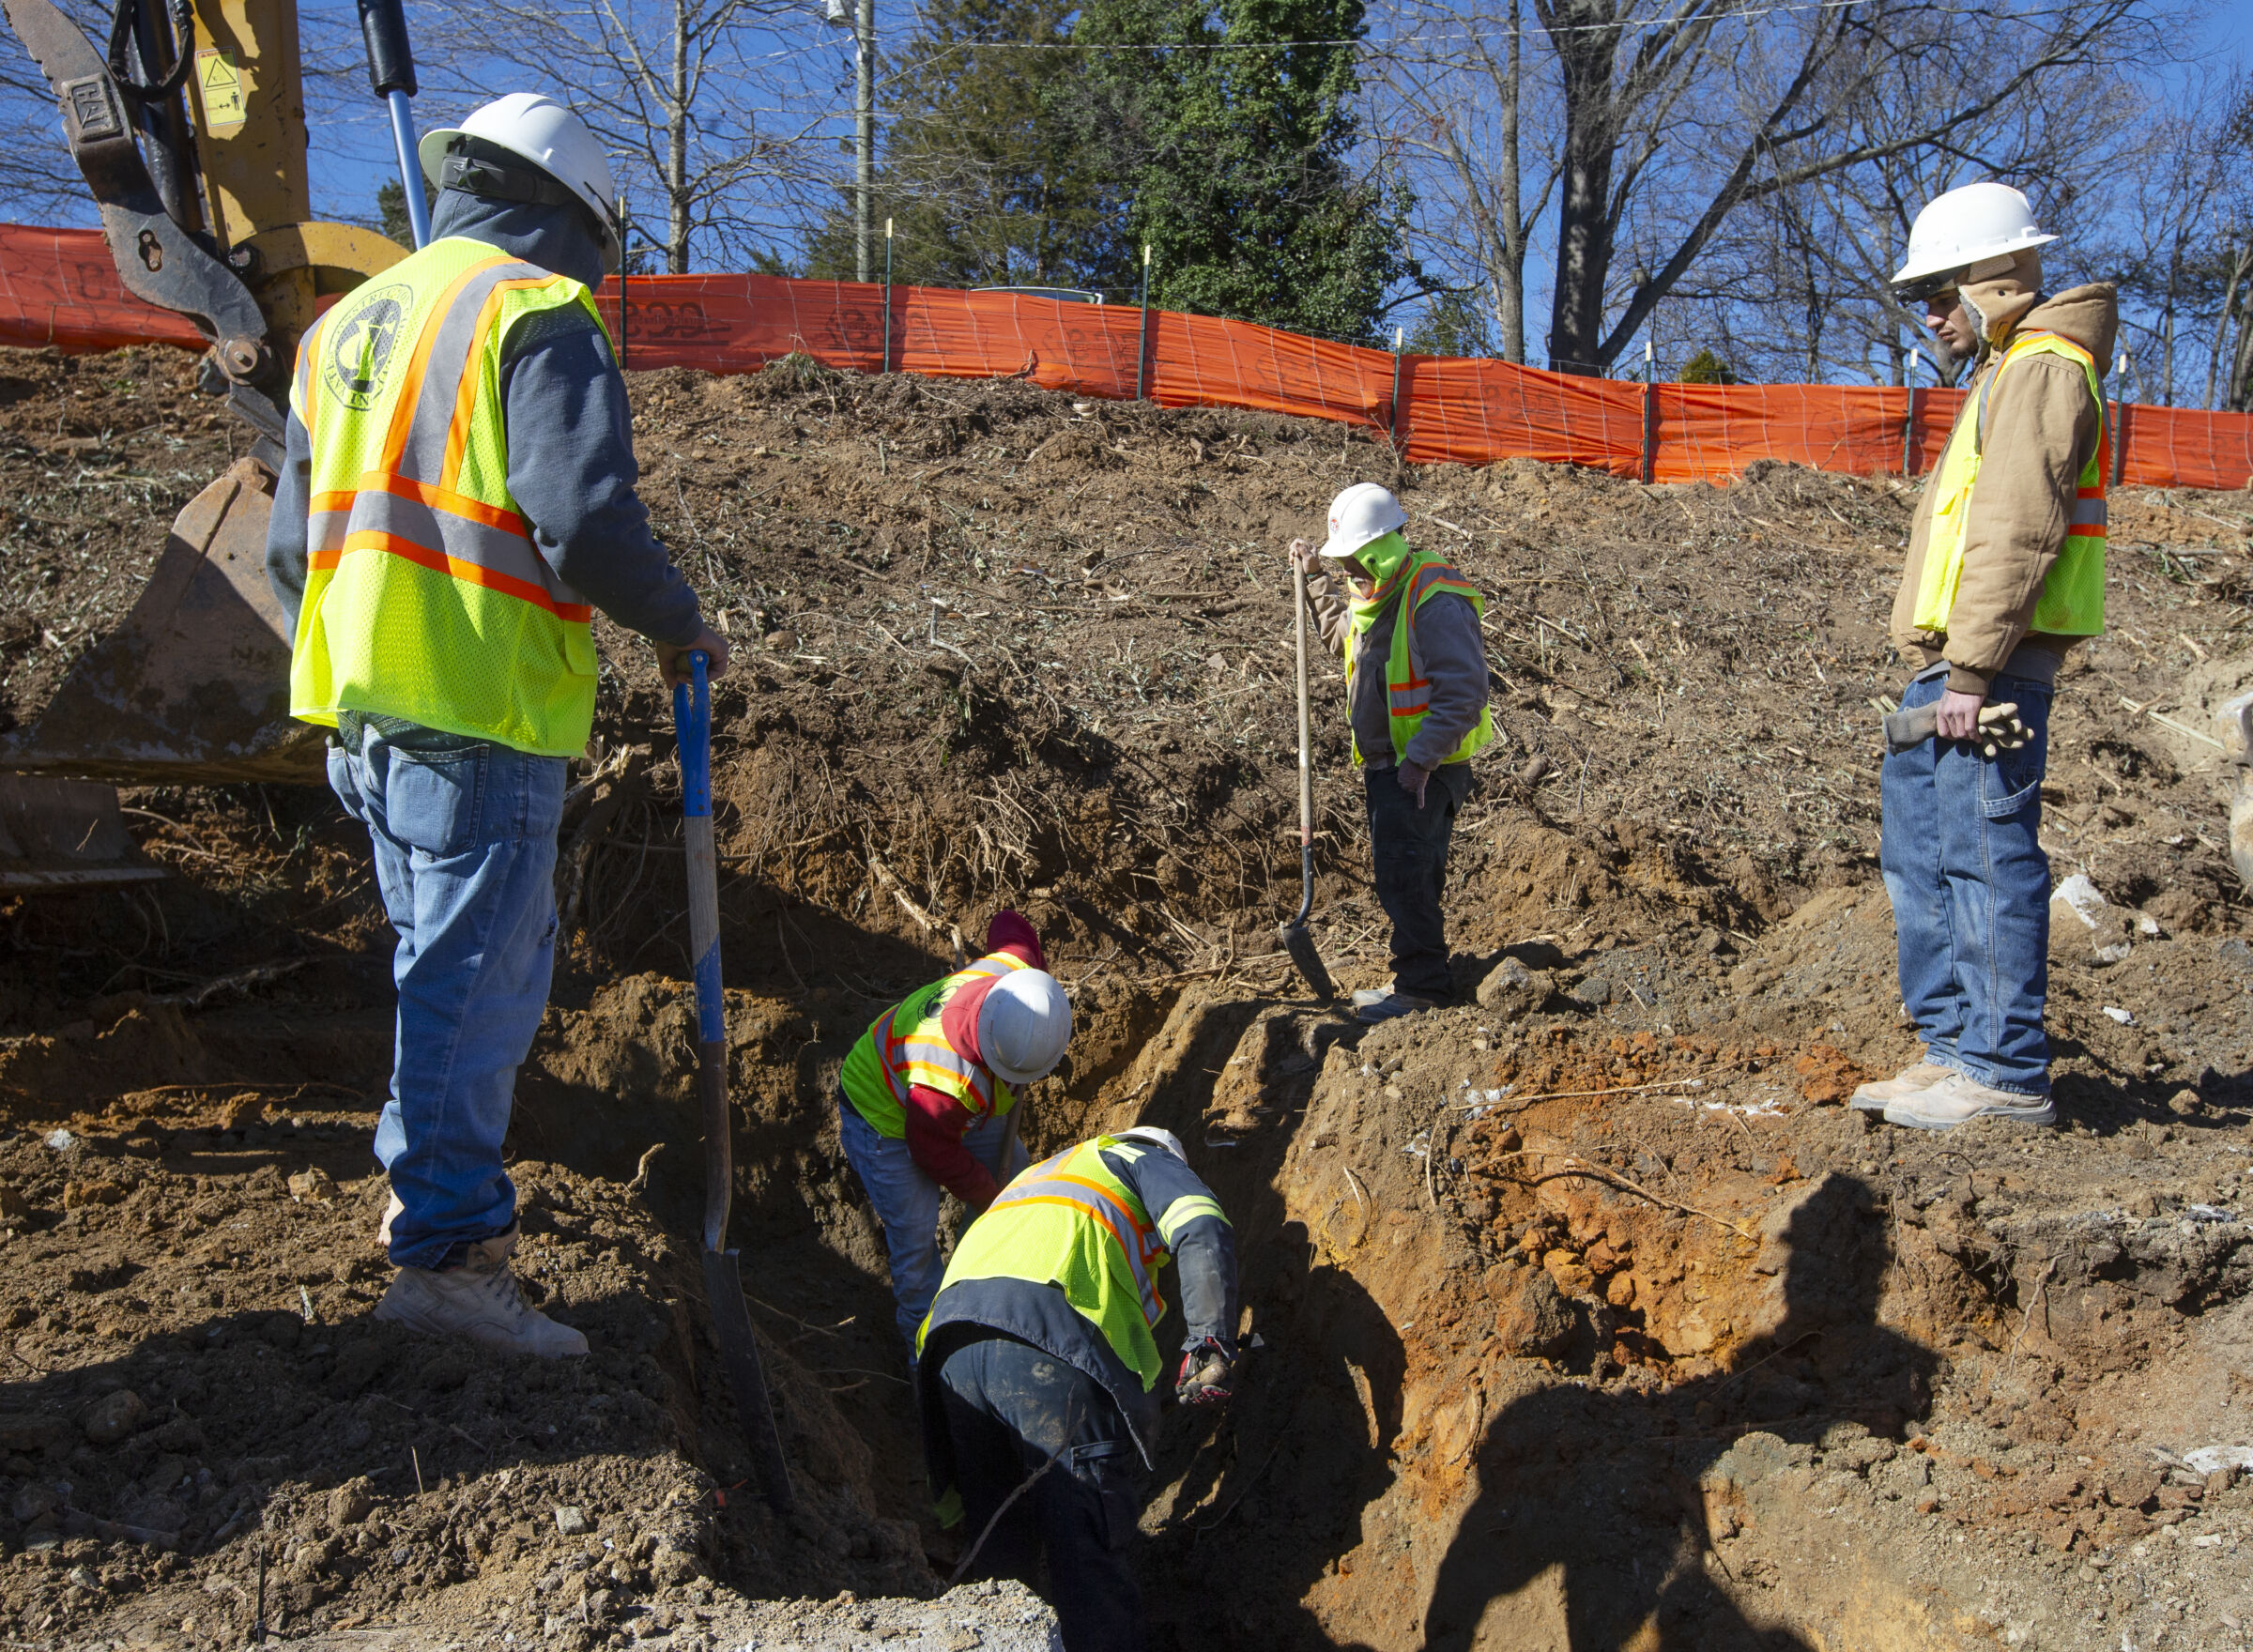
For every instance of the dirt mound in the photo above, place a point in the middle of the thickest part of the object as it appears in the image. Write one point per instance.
(1587, 1315)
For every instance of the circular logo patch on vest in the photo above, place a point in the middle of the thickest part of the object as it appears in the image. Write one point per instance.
(362, 344)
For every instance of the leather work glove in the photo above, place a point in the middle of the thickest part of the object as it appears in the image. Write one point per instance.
(1208, 1375)
(1999, 729)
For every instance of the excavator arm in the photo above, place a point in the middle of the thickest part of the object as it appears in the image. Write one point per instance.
(190, 135)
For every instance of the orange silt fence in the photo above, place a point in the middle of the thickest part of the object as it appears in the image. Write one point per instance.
(58, 287)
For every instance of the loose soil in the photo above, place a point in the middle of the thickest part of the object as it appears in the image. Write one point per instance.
(1584, 1313)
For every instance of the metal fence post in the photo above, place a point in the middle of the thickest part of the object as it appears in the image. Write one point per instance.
(1909, 415)
(1395, 410)
(1650, 413)
(887, 295)
(2119, 410)
(1142, 343)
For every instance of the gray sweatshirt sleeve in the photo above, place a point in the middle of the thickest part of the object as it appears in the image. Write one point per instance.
(286, 550)
(1454, 653)
(1332, 611)
(1190, 1222)
(572, 471)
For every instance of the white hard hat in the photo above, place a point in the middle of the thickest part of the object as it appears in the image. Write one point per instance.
(552, 138)
(1024, 1025)
(1363, 512)
(1959, 229)
(1156, 1136)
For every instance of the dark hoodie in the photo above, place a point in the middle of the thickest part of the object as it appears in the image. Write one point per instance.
(2042, 427)
(570, 432)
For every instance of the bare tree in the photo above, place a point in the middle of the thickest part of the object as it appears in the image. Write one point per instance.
(1464, 105)
(1668, 117)
(1820, 252)
(2177, 237)
(698, 106)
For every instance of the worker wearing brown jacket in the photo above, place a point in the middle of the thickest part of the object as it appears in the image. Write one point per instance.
(2005, 573)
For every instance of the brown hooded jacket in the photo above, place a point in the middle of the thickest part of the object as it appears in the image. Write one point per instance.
(2042, 427)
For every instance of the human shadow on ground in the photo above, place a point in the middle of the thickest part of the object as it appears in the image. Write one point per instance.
(1606, 1486)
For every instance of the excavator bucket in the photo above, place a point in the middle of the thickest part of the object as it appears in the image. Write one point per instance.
(59, 834)
(193, 686)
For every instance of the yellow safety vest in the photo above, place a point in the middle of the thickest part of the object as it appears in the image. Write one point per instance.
(425, 597)
(2072, 603)
(1419, 579)
(906, 1045)
(1070, 1222)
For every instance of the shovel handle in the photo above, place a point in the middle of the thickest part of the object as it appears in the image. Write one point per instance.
(692, 724)
(1306, 750)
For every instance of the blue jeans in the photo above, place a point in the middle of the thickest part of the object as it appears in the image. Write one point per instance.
(465, 841)
(1962, 856)
(907, 1202)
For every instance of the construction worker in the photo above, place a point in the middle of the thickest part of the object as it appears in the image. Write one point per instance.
(457, 497)
(1407, 624)
(928, 1097)
(1039, 1363)
(2005, 573)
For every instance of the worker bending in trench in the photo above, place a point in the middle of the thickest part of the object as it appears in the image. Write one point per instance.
(929, 1097)
(456, 499)
(2006, 573)
(1039, 1364)
(1407, 624)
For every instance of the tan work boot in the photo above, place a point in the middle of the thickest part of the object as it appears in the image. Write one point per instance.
(478, 1302)
(1958, 1101)
(1871, 1098)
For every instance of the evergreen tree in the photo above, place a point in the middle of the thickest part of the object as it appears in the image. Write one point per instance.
(1455, 325)
(1238, 160)
(391, 210)
(987, 179)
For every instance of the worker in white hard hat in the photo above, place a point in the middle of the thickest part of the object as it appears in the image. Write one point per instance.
(1039, 1363)
(930, 1091)
(458, 498)
(2006, 573)
(1407, 624)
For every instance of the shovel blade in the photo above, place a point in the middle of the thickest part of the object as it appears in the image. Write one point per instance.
(739, 1353)
(1300, 944)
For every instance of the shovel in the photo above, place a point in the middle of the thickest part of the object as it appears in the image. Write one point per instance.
(722, 1269)
(1295, 940)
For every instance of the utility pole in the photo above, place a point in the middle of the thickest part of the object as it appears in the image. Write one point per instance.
(864, 160)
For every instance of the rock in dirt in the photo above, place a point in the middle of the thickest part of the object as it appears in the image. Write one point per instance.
(78, 1195)
(2077, 908)
(1574, 1277)
(14, 1207)
(572, 1521)
(243, 1112)
(1512, 991)
(311, 1183)
(114, 1417)
(1533, 1320)
(348, 1505)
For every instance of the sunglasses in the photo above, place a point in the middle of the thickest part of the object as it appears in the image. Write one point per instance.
(1927, 290)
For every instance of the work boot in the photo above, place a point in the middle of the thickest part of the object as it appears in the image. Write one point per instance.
(1871, 1098)
(480, 1302)
(1957, 1099)
(1372, 1007)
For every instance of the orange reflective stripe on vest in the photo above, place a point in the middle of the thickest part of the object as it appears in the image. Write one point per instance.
(923, 1056)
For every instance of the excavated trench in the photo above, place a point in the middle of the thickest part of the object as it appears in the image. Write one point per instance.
(1582, 1315)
